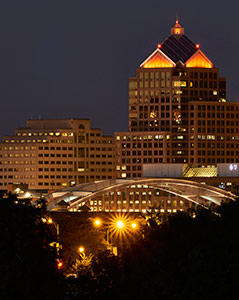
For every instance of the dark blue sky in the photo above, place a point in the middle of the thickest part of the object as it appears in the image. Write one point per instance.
(72, 58)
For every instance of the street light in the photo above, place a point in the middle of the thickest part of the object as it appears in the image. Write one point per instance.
(97, 222)
(119, 227)
(120, 224)
(56, 225)
(134, 225)
(81, 249)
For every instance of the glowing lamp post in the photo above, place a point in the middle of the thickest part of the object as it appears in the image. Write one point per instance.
(56, 225)
(119, 228)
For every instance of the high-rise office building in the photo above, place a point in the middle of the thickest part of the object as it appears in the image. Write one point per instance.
(177, 111)
(178, 114)
(51, 154)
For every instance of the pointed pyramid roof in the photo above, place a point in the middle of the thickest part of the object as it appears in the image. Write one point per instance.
(177, 47)
(177, 25)
(198, 60)
(158, 60)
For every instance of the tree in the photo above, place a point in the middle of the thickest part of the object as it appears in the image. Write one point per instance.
(96, 276)
(189, 256)
(27, 263)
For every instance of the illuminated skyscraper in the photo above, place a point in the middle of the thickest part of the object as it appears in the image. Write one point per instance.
(177, 111)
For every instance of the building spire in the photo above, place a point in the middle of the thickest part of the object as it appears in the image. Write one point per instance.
(177, 30)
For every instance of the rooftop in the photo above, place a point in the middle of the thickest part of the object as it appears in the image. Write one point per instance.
(177, 48)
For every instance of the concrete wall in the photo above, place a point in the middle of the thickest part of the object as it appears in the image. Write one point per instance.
(162, 170)
(230, 170)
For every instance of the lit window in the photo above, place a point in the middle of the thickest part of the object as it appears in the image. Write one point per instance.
(180, 84)
(153, 114)
(158, 137)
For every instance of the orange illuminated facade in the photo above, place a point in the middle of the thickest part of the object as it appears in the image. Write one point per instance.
(158, 60)
(198, 60)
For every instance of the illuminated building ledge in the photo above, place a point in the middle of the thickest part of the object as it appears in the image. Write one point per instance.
(188, 190)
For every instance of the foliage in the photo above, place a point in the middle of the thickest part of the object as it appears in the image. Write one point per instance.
(76, 230)
(81, 263)
(96, 276)
(152, 216)
(27, 263)
(190, 255)
(187, 257)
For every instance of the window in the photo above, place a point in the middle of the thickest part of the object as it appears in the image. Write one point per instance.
(179, 83)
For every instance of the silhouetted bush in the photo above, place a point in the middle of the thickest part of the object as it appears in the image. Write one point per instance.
(27, 262)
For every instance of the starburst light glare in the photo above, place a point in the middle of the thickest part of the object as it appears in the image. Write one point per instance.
(120, 224)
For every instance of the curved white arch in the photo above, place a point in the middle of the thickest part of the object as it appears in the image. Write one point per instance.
(190, 190)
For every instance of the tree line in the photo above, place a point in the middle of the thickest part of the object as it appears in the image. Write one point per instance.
(190, 255)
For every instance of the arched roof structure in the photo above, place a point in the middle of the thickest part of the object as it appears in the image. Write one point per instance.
(195, 192)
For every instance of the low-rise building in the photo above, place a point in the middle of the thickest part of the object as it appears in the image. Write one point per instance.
(50, 154)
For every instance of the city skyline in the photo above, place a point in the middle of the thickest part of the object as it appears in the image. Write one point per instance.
(73, 64)
(177, 115)
(119, 149)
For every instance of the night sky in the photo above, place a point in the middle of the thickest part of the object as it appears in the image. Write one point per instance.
(73, 58)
